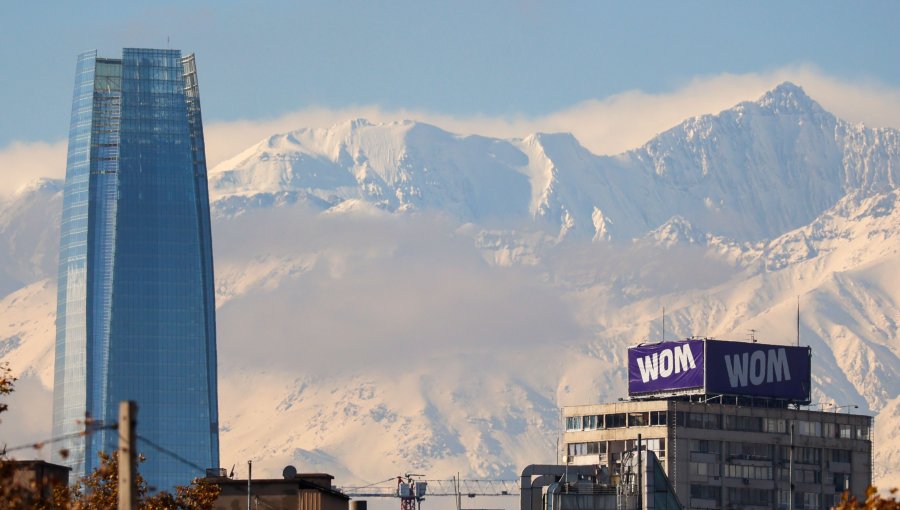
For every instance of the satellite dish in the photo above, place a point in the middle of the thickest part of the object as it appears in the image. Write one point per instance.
(289, 473)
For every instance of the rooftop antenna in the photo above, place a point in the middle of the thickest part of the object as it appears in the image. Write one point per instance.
(798, 320)
(168, 47)
(664, 324)
(753, 333)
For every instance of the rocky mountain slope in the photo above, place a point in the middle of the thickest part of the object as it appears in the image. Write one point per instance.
(395, 297)
(749, 173)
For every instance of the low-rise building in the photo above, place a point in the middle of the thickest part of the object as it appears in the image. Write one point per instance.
(294, 491)
(738, 448)
(37, 476)
(728, 455)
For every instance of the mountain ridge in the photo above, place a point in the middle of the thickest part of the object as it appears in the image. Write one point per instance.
(749, 173)
(433, 298)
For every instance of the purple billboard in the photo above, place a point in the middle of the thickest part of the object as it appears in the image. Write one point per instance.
(759, 370)
(720, 367)
(664, 367)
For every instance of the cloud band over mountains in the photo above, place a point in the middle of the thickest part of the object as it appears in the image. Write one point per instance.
(605, 126)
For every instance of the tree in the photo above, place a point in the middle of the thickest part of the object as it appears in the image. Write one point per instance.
(873, 501)
(12, 495)
(96, 491)
(100, 491)
(6, 383)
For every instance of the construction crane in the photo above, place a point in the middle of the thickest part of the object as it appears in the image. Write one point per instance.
(411, 488)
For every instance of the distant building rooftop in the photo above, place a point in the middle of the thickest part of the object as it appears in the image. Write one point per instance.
(301, 491)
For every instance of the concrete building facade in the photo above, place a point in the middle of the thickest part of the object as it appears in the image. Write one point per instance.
(741, 453)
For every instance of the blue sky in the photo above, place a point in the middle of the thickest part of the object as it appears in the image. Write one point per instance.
(261, 59)
(614, 74)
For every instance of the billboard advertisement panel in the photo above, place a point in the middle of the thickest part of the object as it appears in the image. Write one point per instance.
(664, 367)
(759, 370)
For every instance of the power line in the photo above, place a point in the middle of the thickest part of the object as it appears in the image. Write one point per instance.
(37, 445)
(378, 483)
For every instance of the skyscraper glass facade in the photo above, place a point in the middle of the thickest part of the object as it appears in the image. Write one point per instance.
(136, 309)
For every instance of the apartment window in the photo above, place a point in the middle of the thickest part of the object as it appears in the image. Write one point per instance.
(829, 430)
(805, 455)
(658, 446)
(616, 420)
(775, 426)
(784, 499)
(841, 482)
(744, 423)
(748, 472)
(704, 469)
(845, 431)
(704, 446)
(749, 497)
(573, 423)
(782, 474)
(809, 428)
(589, 448)
(706, 492)
(811, 500)
(638, 419)
(862, 432)
(658, 417)
(750, 451)
(840, 455)
(590, 422)
(704, 421)
(695, 420)
(802, 475)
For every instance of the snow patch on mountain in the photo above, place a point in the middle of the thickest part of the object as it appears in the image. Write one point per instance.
(749, 173)
(395, 297)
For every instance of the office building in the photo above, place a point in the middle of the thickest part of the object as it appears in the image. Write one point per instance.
(730, 424)
(135, 309)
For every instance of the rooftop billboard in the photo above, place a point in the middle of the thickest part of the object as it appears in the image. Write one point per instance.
(665, 367)
(720, 367)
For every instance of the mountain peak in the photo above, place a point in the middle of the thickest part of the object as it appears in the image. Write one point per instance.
(40, 184)
(357, 123)
(788, 98)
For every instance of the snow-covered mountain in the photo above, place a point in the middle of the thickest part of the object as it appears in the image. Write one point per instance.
(749, 173)
(394, 296)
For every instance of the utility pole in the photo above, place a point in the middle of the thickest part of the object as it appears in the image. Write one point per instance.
(791, 468)
(249, 477)
(640, 473)
(127, 472)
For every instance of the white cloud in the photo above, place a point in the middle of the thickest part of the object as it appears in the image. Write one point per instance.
(23, 162)
(605, 126)
(370, 292)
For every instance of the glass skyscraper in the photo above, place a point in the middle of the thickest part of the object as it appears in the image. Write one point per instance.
(136, 308)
